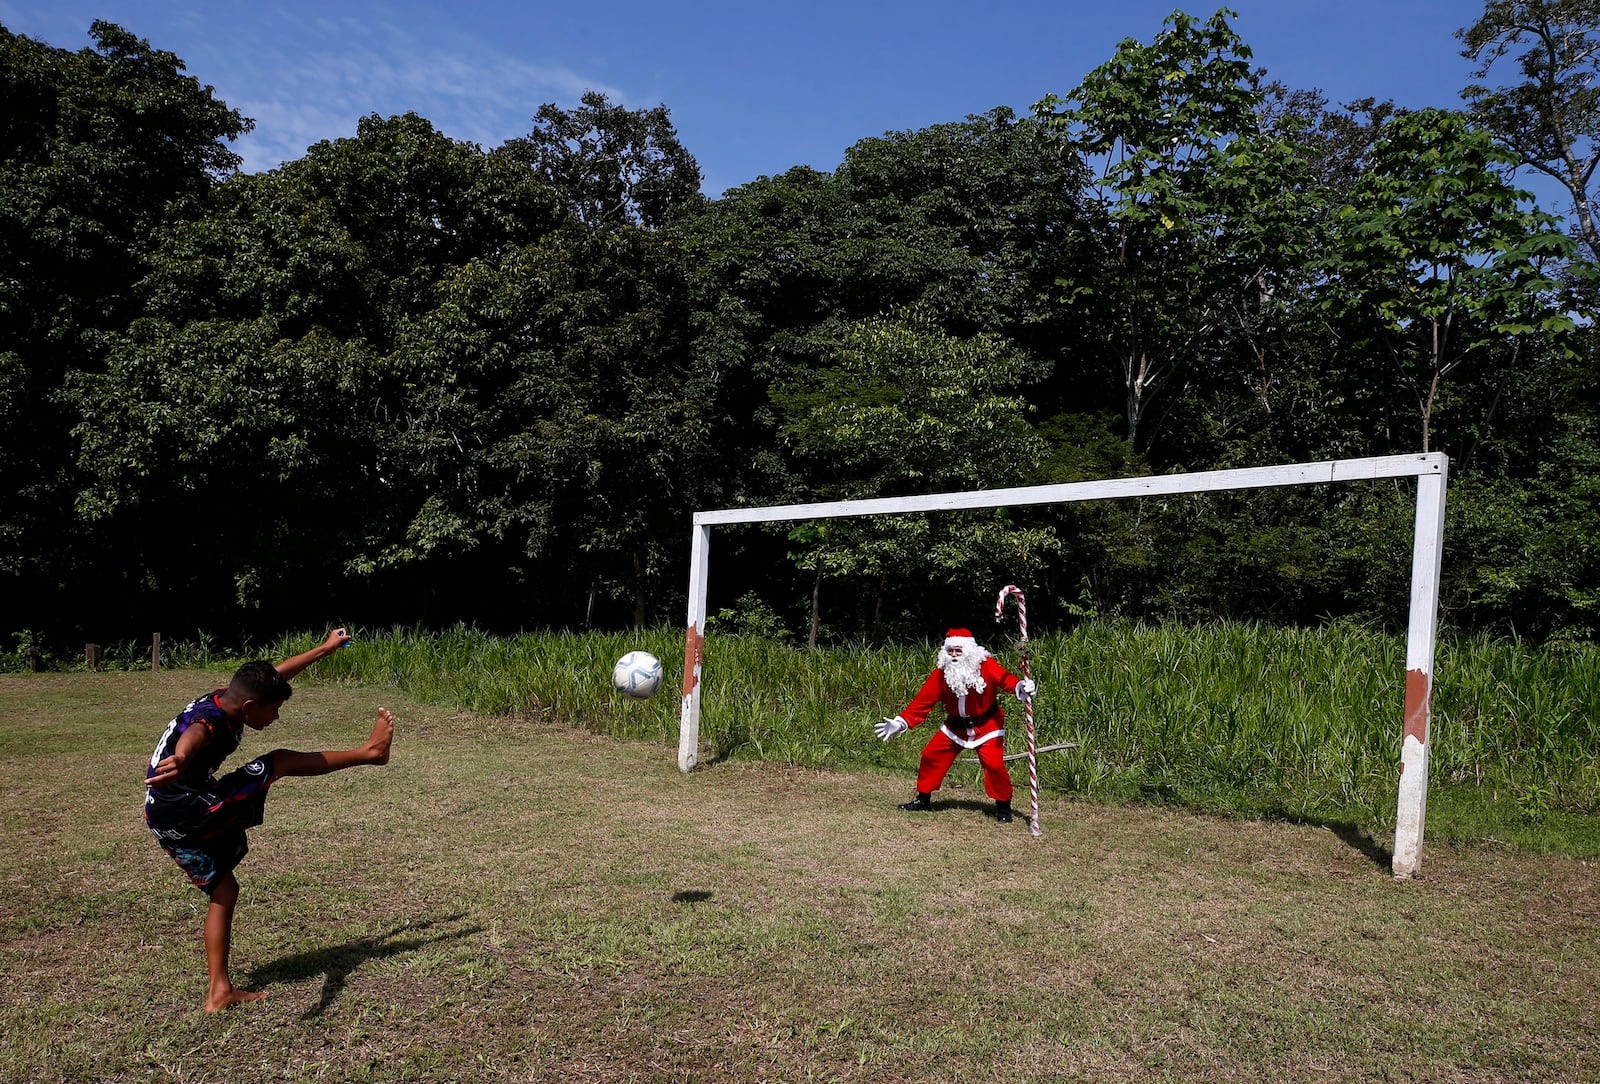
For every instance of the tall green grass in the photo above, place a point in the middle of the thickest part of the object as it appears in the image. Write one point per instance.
(1236, 718)
(555, 678)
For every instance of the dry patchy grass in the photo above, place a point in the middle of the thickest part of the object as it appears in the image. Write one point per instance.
(510, 902)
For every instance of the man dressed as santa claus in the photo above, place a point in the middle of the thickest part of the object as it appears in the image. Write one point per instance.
(967, 681)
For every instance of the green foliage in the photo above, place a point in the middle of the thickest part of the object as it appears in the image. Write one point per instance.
(1551, 117)
(413, 380)
(1231, 717)
(550, 678)
(904, 407)
(1439, 255)
(29, 652)
(751, 617)
(1528, 548)
(1205, 215)
(613, 166)
(976, 217)
(100, 149)
(907, 408)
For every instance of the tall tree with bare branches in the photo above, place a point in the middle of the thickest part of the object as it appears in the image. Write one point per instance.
(1551, 117)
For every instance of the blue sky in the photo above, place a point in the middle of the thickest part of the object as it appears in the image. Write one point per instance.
(754, 88)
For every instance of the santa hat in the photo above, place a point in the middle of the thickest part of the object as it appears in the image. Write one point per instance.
(962, 638)
(963, 675)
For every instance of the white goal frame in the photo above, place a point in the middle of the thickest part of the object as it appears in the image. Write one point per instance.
(1431, 471)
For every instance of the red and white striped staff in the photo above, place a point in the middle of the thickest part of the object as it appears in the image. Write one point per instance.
(1023, 650)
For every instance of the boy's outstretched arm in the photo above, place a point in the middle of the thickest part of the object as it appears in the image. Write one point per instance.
(292, 666)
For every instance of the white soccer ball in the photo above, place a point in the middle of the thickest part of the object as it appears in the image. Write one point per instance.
(637, 675)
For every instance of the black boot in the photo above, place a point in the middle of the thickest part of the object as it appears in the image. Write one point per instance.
(1002, 812)
(920, 804)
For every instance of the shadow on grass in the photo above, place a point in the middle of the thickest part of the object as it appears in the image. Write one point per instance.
(1355, 837)
(974, 805)
(336, 963)
(1351, 834)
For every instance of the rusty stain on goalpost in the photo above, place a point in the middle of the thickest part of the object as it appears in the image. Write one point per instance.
(1431, 471)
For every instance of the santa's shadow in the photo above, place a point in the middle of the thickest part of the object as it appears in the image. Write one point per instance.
(335, 963)
(971, 805)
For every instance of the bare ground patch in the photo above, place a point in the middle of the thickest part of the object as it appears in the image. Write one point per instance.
(508, 901)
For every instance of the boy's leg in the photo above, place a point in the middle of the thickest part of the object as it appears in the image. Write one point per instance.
(219, 940)
(376, 751)
(241, 808)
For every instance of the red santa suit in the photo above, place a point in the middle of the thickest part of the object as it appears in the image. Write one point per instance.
(973, 720)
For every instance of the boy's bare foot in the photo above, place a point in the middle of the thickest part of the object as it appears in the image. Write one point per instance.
(382, 737)
(222, 999)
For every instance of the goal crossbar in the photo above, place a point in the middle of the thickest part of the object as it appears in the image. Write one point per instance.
(1430, 469)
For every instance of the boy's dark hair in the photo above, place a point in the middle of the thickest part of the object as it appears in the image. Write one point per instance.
(261, 682)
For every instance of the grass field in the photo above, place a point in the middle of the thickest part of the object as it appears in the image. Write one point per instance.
(1243, 719)
(515, 901)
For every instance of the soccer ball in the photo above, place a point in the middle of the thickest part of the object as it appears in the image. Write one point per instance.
(637, 675)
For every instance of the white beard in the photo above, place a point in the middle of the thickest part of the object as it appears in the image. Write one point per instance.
(964, 675)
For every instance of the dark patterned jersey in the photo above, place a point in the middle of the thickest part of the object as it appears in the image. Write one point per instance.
(187, 797)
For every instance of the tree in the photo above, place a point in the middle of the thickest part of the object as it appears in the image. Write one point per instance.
(1201, 211)
(1439, 256)
(100, 149)
(1333, 142)
(354, 237)
(1551, 118)
(976, 218)
(953, 235)
(280, 360)
(1524, 559)
(971, 221)
(614, 166)
(597, 436)
(903, 407)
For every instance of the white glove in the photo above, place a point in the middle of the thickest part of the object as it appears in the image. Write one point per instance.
(1026, 688)
(890, 727)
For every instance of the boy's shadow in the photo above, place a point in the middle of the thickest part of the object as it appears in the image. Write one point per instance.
(337, 962)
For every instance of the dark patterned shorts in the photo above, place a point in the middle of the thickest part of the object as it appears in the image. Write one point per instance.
(208, 863)
(209, 848)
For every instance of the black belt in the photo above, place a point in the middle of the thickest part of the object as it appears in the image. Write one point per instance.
(974, 720)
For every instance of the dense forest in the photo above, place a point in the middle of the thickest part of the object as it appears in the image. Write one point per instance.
(406, 379)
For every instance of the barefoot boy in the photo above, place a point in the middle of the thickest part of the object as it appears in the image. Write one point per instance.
(200, 820)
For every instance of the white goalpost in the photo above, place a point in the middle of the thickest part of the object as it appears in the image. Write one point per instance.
(1430, 470)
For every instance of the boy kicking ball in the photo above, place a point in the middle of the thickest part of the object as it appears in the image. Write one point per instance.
(200, 820)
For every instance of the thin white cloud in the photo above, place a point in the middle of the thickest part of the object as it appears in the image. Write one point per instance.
(305, 78)
(468, 91)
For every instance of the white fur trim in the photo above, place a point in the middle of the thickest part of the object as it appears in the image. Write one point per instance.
(974, 742)
(968, 646)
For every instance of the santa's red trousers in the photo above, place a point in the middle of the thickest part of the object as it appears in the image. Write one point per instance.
(941, 752)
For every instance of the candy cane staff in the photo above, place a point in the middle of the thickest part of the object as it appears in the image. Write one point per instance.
(1025, 651)
(966, 681)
